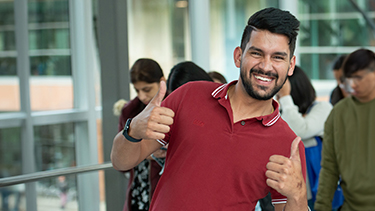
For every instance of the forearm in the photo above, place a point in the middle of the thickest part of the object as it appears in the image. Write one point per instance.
(308, 125)
(125, 154)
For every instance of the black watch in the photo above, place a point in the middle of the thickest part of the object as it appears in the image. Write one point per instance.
(125, 132)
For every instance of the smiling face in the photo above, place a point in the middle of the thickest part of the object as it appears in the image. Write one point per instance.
(265, 64)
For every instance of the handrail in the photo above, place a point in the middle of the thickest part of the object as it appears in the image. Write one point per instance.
(8, 181)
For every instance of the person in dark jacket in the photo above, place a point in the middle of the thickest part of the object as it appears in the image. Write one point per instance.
(145, 75)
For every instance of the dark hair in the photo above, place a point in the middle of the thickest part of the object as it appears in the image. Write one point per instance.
(338, 62)
(276, 21)
(359, 60)
(146, 70)
(184, 72)
(302, 91)
(218, 76)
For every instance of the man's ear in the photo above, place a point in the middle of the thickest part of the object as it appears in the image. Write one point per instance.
(292, 65)
(237, 55)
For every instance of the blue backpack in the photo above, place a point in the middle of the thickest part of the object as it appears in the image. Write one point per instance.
(313, 159)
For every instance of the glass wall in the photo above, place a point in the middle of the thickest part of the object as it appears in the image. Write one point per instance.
(228, 19)
(9, 85)
(50, 58)
(158, 30)
(52, 118)
(54, 149)
(332, 28)
(46, 109)
(12, 197)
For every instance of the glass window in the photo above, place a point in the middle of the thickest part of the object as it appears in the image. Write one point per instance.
(318, 66)
(159, 30)
(151, 25)
(9, 84)
(10, 152)
(11, 165)
(55, 36)
(324, 6)
(54, 149)
(50, 65)
(13, 197)
(51, 87)
(228, 20)
(54, 146)
(7, 37)
(57, 193)
(347, 32)
(330, 25)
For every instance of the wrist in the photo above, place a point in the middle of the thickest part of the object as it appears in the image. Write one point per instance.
(126, 130)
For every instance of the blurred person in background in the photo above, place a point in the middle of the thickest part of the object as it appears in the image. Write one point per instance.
(184, 72)
(349, 134)
(179, 75)
(339, 92)
(145, 75)
(306, 117)
(217, 77)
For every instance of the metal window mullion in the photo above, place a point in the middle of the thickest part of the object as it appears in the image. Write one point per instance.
(199, 14)
(83, 59)
(23, 71)
(292, 7)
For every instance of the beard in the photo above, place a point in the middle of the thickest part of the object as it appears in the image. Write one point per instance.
(250, 88)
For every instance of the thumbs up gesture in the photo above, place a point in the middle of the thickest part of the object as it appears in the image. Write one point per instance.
(285, 174)
(154, 121)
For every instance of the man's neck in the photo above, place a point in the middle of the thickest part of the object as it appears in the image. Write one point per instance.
(244, 106)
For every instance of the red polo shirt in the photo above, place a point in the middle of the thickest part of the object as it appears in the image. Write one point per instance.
(213, 163)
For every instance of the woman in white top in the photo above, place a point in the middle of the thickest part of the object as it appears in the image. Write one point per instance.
(302, 112)
(299, 107)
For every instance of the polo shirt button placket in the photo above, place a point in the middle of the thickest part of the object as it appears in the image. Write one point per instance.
(242, 123)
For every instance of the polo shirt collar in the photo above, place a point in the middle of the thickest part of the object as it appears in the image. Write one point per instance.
(221, 92)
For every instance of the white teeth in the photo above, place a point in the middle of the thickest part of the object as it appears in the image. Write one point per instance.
(262, 78)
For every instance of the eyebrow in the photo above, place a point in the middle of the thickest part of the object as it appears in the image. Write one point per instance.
(276, 53)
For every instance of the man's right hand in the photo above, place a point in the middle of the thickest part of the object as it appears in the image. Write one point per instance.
(154, 121)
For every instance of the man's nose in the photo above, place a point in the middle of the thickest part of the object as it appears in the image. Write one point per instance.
(266, 64)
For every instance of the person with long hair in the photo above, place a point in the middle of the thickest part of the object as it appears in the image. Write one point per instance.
(184, 72)
(305, 116)
(145, 75)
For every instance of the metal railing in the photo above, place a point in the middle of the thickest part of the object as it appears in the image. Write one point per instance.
(31, 177)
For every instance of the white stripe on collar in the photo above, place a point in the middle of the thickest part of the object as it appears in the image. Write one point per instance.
(274, 120)
(217, 90)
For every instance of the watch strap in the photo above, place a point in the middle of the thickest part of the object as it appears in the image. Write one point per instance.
(125, 132)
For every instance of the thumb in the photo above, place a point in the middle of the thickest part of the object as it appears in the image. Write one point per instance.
(158, 98)
(294, 150)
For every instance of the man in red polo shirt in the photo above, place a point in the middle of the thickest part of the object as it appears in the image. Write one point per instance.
(228, 146)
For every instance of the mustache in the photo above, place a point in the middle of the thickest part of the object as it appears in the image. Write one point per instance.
(259, 71)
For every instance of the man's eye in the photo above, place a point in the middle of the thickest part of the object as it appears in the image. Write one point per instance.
(279, 57)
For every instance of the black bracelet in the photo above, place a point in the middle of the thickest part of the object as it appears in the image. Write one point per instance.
(125, 132)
